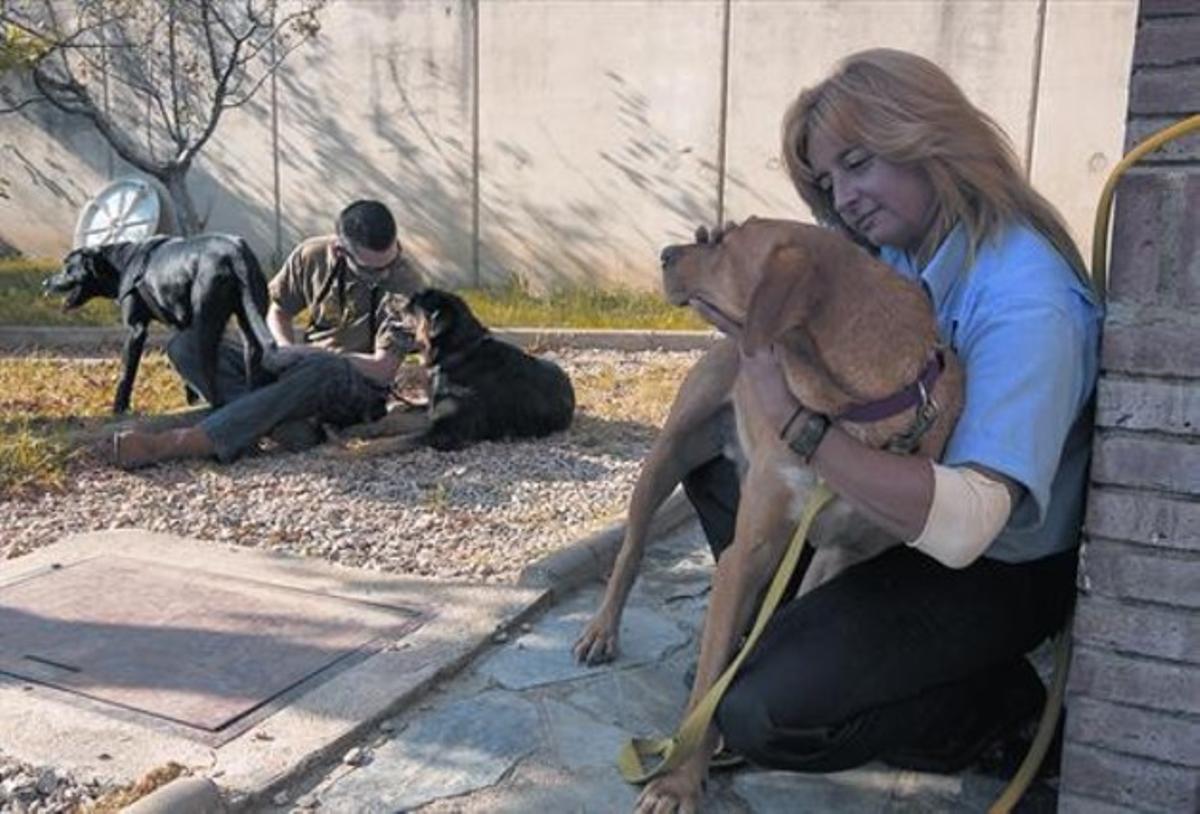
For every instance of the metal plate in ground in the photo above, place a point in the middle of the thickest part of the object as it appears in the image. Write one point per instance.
(197, 648)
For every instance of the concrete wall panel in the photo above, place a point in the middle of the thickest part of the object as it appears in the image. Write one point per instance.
(779, 47)
(598, 135)
(380, 107)
(50, 166)
(1083, 94)
(233, 184)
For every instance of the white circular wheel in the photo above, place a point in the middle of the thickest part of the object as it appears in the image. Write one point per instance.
(127, 209)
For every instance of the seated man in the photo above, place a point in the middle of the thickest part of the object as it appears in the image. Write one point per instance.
(351, 283)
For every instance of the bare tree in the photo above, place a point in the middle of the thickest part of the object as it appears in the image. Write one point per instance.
(153, 77)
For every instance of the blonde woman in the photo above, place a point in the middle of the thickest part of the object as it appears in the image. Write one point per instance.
(917, 656)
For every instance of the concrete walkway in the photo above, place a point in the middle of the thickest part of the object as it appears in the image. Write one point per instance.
(525, 729)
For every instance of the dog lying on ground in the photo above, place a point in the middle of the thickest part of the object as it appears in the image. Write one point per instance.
(848, 331)
(194, 284)
(479, 388)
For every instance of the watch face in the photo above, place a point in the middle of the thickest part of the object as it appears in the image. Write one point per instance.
(808, 435)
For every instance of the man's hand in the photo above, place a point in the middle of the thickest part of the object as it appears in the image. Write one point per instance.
(769, 387)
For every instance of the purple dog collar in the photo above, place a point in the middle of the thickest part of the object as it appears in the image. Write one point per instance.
(914, 395)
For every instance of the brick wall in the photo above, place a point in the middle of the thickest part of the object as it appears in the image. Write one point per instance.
(1133, 727)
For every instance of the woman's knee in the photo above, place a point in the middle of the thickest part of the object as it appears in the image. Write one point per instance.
(753, 727)
(745, 724)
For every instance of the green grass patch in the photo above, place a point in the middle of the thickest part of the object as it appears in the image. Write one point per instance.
(581, 308)
(22, 303)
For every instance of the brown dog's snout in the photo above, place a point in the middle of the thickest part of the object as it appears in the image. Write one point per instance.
(670, 254)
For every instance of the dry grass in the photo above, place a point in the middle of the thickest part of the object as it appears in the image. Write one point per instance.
(118, 799)
(43, 400)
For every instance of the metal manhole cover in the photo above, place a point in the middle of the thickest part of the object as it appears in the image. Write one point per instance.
(197, 648)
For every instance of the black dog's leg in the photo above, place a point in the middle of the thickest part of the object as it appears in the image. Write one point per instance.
(131, 357)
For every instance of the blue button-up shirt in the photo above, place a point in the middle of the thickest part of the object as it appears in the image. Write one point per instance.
(1027, 331)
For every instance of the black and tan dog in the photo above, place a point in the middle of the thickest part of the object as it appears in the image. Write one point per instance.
(480, 388)
(851, 336)
(191, 284)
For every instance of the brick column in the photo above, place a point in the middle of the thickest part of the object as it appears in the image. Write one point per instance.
(1133, 725)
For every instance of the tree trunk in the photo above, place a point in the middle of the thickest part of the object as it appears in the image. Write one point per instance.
(185, 208)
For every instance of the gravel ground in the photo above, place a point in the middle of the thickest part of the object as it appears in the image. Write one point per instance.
(481, 514)
(26, 789)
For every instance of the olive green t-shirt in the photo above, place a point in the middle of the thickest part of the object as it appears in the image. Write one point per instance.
(346, 311)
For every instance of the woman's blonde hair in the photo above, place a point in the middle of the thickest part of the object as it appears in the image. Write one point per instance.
(905, 109)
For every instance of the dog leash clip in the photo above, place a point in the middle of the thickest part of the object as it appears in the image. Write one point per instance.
(927, 413)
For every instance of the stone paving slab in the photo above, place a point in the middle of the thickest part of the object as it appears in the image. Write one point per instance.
(458, 748)
(567, 761)
(536, 658)
(43, 725)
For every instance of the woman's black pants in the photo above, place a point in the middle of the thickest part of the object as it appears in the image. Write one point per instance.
(896, 655)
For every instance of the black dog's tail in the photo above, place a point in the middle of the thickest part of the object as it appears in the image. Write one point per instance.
(252, 309)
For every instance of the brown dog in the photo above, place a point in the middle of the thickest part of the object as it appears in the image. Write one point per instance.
(849, 333)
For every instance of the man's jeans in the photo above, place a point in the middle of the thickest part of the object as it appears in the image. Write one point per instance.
(323, 387)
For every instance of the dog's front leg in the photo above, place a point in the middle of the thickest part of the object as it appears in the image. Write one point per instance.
(675, 452)
(764, 525)
(131, 357)
(692, 434)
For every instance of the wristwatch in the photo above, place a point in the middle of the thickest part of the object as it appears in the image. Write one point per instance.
(804, 434)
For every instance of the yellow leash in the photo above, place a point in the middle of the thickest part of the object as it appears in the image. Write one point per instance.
(643, 759)
(1062, 645)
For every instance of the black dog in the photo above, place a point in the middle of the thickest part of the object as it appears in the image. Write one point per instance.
(482, 388)
(193, 284)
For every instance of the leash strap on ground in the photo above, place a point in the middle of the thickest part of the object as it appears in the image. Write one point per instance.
(1062, 648)
(637, 759)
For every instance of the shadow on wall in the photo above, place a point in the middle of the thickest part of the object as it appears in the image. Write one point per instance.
(47, 189)
(399, 152)
(571, 241)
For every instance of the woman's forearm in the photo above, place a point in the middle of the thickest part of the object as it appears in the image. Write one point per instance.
(895, 491)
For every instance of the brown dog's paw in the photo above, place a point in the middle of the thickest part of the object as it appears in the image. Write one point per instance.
(597, 644)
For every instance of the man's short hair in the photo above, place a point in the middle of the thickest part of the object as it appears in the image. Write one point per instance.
(367, 224)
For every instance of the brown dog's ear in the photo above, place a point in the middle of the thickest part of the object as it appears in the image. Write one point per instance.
(769, 313)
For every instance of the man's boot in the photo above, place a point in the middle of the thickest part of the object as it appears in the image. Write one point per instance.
(133, 449)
